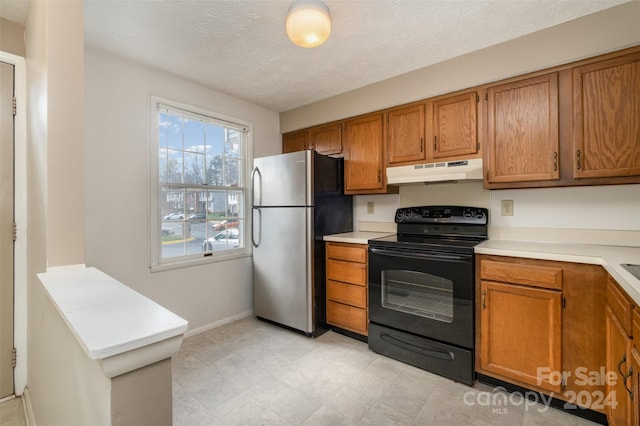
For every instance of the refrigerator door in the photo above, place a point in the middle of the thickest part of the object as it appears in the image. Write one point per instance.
(282, 266)
(281, 180)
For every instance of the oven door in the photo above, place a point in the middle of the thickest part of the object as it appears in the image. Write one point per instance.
(428, 293)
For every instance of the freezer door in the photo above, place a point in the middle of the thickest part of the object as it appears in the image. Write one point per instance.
(281, 180)
(282, 266)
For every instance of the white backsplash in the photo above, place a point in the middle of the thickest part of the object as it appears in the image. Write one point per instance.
(600, 214)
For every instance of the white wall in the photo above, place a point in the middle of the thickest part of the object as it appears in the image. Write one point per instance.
(54, 193)
(116, 194)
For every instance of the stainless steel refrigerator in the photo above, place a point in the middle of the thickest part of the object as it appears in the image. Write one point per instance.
(297, 199)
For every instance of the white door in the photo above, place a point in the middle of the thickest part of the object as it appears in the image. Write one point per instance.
(6, 228)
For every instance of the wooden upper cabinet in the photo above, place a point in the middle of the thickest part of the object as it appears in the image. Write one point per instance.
(326, 140)
(522, 140)
(405, 134)
(364, 162)
(606, 118)
(455, 126)
(294, 141)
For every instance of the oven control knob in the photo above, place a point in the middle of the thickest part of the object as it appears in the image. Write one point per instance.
(467, 213)
(479, 214)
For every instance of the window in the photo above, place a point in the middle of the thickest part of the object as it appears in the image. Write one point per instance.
(198, 173)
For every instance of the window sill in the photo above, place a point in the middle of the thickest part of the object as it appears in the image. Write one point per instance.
(200, 261)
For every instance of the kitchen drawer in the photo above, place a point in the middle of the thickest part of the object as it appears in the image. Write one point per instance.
(515, 273)
(348, 252)
(348, 272)
(620, 304)
(349, 294)
(348, 317)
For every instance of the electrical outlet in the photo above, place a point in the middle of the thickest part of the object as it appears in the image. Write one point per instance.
(370, 207)
(507, 207)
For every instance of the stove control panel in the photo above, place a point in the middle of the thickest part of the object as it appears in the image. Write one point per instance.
(443, 214)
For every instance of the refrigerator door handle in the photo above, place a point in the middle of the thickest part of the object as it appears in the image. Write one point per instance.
(253, 241)
(253, 186)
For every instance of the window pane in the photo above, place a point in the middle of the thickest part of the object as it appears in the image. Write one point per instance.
(233, 144)
(174, 166)
(174, 131)
(214, 170)
(193, 168)
(214, 136)
(174, 243)
(163, 130)
(193, 135)
(162, 164)
(232, 172)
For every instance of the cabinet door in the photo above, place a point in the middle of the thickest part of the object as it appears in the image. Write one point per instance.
(364, 169)
(618, 350)
(521, 333)
(405, 134)
(454, 126)
(522, 130)
(326, 140)
(296, 141)
(635, 382)
(606, 108)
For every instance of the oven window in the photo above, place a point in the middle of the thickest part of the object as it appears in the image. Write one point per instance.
(418, 293)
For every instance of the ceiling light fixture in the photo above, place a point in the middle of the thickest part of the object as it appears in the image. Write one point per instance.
(308, 23)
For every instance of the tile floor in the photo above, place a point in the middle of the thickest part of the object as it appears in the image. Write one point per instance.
(253, 373)
(11, 413)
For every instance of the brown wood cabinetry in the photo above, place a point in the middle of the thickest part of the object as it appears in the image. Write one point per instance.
(327, 139)
(294, 141)
(575, 124)
(364, 168)
(455, 130)
(606, 118)
(619, 314)
(347, 305)
(521, 325)
(522, 140)
(405, 134)
(635, 365)
(533, 314)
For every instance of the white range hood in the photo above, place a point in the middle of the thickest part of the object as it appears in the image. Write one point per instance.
(436, 172)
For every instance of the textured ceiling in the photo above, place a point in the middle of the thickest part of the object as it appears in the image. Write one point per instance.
(240, 47)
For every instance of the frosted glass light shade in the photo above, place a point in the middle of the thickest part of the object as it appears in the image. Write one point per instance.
(308, 23)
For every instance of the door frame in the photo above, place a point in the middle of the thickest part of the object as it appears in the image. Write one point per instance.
(20, 208)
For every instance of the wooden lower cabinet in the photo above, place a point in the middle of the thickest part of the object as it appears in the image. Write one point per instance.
(618, 361)
(537, 320)
(521, 331)
(347, 305)
(623, 360)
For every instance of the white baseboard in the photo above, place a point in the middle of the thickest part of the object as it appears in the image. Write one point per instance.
(28, 408)
(216, 324)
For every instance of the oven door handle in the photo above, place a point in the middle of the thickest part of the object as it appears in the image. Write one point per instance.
(432, 353)
(414, 255)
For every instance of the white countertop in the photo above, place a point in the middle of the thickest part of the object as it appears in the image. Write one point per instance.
(356, 237)
(107, 317)
(610, 257)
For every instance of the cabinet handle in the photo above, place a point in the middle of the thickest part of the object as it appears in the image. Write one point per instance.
(421, 143)
(555, 161)
(625, 378)
(435, 143)
(578, 161)
(622, 361)
(379, 177)
(484, 295)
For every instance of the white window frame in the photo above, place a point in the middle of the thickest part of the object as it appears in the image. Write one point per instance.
(156, 263)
